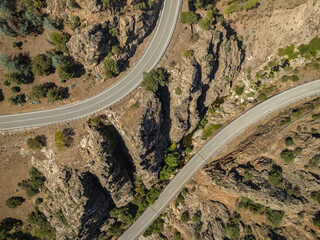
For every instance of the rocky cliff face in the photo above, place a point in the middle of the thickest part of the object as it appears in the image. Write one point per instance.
(92, 44)
(143, 133)
(80, 200)
(202, 78)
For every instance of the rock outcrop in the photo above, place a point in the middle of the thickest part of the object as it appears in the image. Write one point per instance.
(91, 45)
(83, 198)
(202, 78)
(143, 133)
(91, 6)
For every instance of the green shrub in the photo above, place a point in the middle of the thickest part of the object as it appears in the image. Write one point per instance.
(75, 22)
(110, 67)
(60, 41)
(240, 5)
(205, 23)
(208, 131)
(116, 50)
(188, 53)
(33, 3)
(196, 218)
(285, 121)
(38, 201)
(95, 121)
(185, 217)
(287, 156)
(274, 216)
(60, 141)
(289, 142)
(50, 24)
(179, 201)
(247, 203)
(156, 226)
(14, 202)
(42, 65)
(54, 95)
(36, 178)
(189, 17)
(294, 78)
(152, 80)
(239, 90)
(5, 29)
(203, 123)
(35, 143)
(178, 91)
(316, 116)
(44, 229)
(316, 196)
(66, 71)
(61, 218)
(18, 99)
(15, 89)
(72, 4)
(232, 229)
(114, 32)
(275, 176)
(316, 220)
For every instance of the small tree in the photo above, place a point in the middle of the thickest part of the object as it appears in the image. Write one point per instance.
(205, 23)
(185, 217)
(35, 143)
(153, 79)
(54, 95)
(189, 17)
(42, 65)
(111, 68)
(14, 202)
(18, 99)
(60, 41)
(66, 71)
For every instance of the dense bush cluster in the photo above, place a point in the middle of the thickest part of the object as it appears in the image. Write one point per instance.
(232, 229)
(274, 216)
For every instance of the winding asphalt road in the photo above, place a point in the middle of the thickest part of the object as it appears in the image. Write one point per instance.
(150, 58)
(208, 151)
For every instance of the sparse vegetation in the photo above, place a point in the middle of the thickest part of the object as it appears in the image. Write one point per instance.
(240, 5)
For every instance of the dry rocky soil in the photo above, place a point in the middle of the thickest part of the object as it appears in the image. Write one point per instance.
(101, 172)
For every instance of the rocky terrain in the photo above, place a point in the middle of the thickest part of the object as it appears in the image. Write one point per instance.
(97, 175)
(252, 179)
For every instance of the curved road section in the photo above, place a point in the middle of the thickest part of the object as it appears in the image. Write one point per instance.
(150, 58)
(211, 148)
